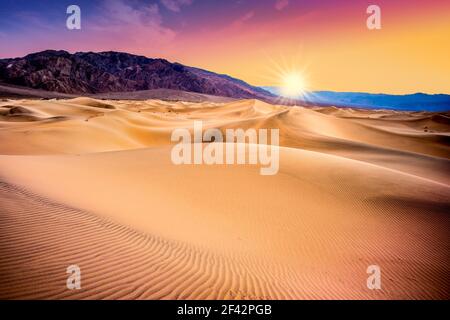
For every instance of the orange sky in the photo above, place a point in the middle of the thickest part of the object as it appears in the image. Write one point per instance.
(409, 54)
(255, 40)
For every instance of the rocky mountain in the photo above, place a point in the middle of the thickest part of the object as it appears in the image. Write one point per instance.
(106, 72)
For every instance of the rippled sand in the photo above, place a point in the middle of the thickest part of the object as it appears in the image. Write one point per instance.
(90, 182)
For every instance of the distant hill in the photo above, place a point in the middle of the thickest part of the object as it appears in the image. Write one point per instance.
(409, 102)
(88, 73)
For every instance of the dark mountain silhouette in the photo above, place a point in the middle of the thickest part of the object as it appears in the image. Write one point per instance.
(88, 73)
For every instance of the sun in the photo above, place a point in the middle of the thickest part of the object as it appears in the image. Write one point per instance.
(293, 85)
(288, 77)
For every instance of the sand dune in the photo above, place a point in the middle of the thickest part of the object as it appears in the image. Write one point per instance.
(90, 182)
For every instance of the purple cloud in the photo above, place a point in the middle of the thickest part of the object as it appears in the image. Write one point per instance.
(175, 5)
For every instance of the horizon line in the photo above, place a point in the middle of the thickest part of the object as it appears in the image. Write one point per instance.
(227, 74)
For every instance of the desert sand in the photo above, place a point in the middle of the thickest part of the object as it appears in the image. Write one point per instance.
(90, 182)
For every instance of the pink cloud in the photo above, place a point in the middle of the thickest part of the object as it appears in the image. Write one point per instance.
(240, 21)
(281, 4)
(125, 27)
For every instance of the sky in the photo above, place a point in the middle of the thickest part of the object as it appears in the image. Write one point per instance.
(326, 41)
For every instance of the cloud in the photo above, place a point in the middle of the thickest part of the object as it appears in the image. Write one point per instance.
(118, 25)
(175, 5)
(125, 25)
(119, 13)
(240, 21)
(281, 4)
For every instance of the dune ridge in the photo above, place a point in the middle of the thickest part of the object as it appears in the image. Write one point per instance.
(90, 182)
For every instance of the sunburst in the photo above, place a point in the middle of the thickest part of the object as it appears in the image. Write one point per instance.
(292, 85)
(291, 78)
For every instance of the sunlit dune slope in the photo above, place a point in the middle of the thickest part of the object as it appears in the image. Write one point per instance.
(91, 182)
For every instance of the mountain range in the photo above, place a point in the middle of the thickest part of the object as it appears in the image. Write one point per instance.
(119, 75)
(87, 73)
(407, 102)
